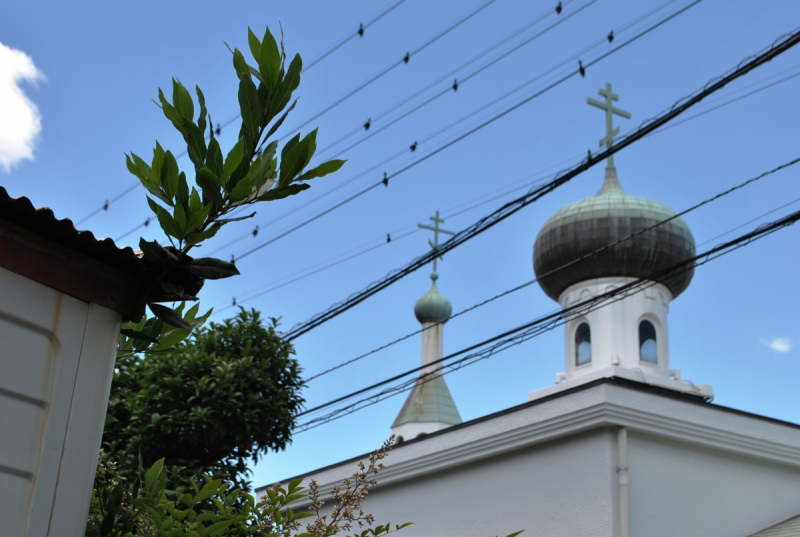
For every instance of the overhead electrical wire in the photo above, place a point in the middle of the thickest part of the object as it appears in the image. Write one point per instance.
(392, 66)
(540, 325)
(437, 133)
(405, 151)
(581, 259)
(469, 132)
(277, 285)
(359, 32)
(779, 46)
(458, 83)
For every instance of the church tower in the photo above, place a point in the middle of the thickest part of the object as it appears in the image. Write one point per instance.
(623, 238)
(429, 407)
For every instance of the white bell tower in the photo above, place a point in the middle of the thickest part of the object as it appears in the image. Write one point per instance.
(603, 243)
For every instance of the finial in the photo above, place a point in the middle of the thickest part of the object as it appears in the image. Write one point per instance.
(610, 110)
(435, 243)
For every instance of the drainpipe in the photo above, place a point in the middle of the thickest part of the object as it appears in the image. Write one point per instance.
(622, 472)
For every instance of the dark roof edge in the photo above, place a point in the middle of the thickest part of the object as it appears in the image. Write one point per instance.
(617, 381)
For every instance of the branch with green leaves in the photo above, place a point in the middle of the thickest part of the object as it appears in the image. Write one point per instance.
(249, 173)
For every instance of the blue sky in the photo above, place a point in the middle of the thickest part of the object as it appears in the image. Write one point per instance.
(91, 69)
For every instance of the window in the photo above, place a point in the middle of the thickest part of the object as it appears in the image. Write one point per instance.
(583, 344)
(648, 349)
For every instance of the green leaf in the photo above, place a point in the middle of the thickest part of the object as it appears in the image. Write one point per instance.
(182, 100)
(172, 288)
(169, 316)
(293, 162)
(214, 157)
(153, 251)
(198, 218)
(228, 220)
(109, 420)
(173, 338)
(138, 171)
(165, 220)
(195, 203)
(152, 475)
(211, 269)
(278, 123)
(283, 93)
(233, 159)
(284, 191)
(242, 69)
(249, 106)
(133, 334)
(170, 175)
(206, 180)
(171, 112)
(269, 61)
(197, 238)
(182, 195)
(255, 44)
(179, 215)
(311, 142)
(158, 164)
(243, 189)
(201, 118)
(289, 145)
(323, 169)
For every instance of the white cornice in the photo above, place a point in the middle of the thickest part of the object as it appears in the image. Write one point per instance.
(604, 405)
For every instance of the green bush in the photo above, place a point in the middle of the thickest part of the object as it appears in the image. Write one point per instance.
(226, 395)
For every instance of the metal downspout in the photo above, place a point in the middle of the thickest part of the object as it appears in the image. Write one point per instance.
(622, 473)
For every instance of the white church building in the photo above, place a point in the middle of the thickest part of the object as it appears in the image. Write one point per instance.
(620, 445)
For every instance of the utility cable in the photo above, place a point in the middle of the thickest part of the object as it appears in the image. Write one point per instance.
(392, 66)
(552, 320)
(360, 32)
(472, 131)
(781, 45)
(581, 259)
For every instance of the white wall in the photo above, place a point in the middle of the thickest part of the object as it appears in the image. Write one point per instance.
(558, 489)
(56, 359)
(679, 489)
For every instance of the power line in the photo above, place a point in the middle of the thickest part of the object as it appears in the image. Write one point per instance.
(461, 82)
(467, 134)
(781, 45)
(494, 61)
(485, 200)
(392, 66)
(545, 323)
(578, 260)
(360, 32)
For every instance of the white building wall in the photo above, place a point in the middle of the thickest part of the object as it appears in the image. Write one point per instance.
(679, 489)
(550, 467)
(56, 359)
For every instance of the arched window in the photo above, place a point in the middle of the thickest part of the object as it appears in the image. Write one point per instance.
(583, 344)
(648, 349)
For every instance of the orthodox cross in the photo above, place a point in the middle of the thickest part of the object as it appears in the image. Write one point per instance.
(610, 110)
(435, 242)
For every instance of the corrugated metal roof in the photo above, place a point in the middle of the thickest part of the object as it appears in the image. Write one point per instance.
(787, 528)
(41, 221)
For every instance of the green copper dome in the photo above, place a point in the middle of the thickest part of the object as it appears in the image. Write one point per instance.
(593, 223)
(433, 307)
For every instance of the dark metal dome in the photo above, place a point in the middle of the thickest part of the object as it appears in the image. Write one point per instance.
(592, 223)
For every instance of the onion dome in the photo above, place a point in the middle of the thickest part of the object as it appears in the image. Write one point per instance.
(593, 223)
(433, 307)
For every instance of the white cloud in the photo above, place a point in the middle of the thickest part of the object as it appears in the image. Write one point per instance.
(20, 122)
(779, 344)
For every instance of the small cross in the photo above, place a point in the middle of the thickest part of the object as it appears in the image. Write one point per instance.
(435, 243)
(610, 110)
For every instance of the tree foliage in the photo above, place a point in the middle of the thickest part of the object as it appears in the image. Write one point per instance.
(224, 396)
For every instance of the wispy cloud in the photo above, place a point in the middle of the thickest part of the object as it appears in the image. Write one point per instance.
(778, 344)
(21, 122)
